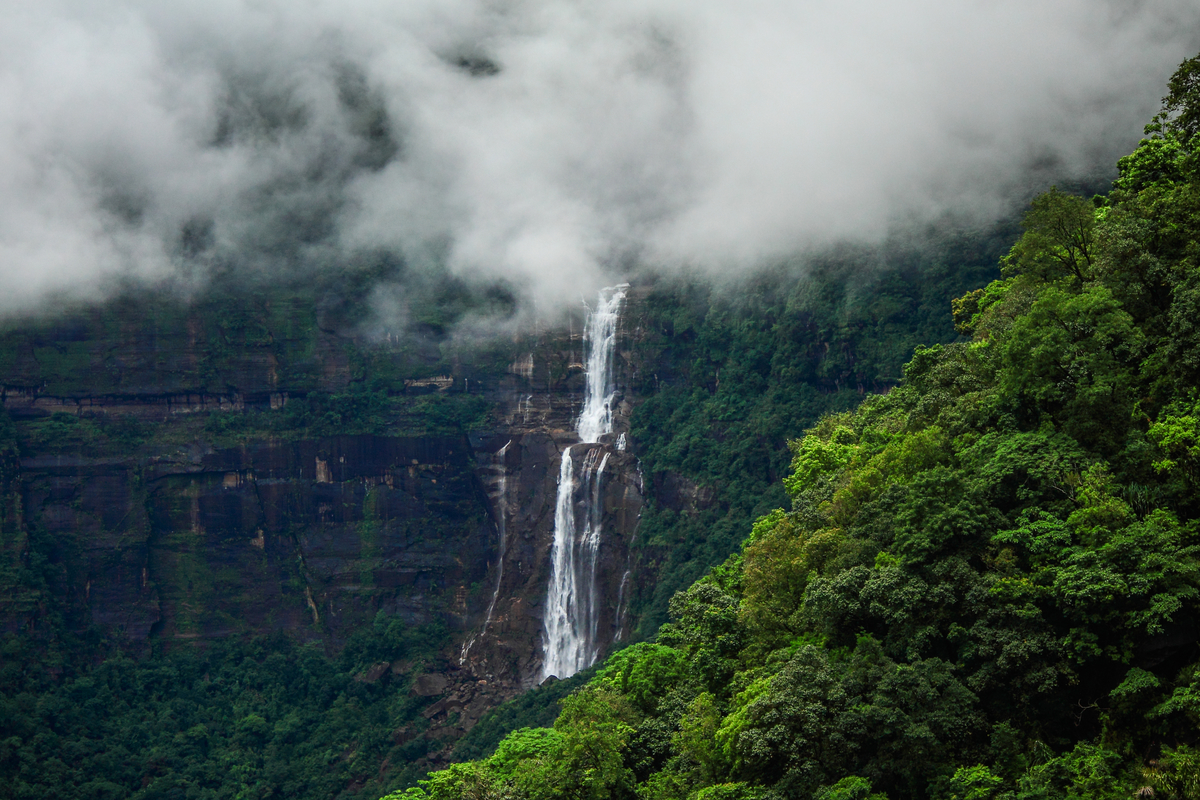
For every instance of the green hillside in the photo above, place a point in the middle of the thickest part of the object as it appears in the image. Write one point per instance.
(721, 379)
(988, 579)
(733, 374)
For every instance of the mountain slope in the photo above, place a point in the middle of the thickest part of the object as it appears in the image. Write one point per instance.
(988, 582)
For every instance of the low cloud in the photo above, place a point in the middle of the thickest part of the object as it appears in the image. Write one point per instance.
(554, 146)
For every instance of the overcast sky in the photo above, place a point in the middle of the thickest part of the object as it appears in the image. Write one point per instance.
(550, 143)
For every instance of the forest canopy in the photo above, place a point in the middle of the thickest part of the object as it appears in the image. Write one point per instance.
(987, 582)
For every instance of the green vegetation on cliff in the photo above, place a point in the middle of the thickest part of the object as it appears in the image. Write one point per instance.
(159, 566)
(987, 584)
(723, 373)
(145, 540)
(732, 374)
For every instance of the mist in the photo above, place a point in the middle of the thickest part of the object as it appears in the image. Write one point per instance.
(553, 147)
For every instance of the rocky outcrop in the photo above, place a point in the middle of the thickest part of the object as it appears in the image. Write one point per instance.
(509, 648)
(186, 541)
(537, 406)
(309, 537)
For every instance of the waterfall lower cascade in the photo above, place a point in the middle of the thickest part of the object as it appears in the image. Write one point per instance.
(572, 604)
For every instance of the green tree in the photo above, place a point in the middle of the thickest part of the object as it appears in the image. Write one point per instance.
(1059, 239)
(1182, 102)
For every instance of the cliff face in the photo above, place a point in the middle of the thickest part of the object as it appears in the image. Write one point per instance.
(310, 537)
(216, 520)
(522, 485)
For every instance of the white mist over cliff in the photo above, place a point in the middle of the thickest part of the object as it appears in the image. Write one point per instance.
(548, 144)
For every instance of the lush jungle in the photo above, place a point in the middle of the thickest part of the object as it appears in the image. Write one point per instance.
(986, 583)
(980, 582)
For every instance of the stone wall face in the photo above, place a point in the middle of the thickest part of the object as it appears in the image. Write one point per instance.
(312, 537)
(309, 537)
(537, 405)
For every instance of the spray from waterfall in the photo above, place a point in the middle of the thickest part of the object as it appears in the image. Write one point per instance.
(572, 598)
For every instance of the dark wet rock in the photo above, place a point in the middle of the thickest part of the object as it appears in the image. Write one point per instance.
(429, 685)
(678, 493)
(314, 537)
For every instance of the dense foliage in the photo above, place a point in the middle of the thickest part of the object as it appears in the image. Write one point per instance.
(734, 372)
(746, 369)
(536, 708)
(260, 718)
(729, 375)
(988, 580)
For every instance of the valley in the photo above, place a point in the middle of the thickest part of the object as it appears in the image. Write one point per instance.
(271, 471)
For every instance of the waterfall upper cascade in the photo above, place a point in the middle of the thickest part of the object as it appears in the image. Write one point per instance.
(572, 605)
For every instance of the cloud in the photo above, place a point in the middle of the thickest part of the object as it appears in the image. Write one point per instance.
(550, 145)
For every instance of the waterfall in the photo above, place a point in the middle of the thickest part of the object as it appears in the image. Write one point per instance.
(572, 601)
(501, 523)
(600, 342)
(500, 497)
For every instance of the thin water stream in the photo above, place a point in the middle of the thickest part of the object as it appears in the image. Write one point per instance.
(499, 496)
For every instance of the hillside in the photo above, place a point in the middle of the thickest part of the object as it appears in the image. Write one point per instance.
(987, 580)
(256, 527)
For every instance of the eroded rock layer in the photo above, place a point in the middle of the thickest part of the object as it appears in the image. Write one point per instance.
(221, 515)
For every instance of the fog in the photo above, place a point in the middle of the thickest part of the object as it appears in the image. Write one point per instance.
(553, 146)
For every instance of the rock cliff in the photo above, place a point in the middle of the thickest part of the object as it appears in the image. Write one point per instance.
(178, 501)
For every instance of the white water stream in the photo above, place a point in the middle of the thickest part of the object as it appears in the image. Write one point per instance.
(499, 496)
(572, 605)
